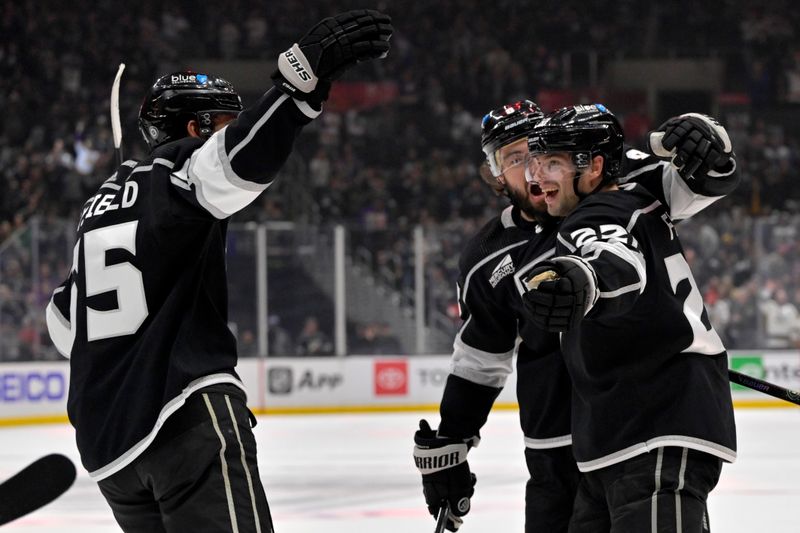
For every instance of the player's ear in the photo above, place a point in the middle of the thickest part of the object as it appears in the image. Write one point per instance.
(598, 162)
(193, 128)
(596, 170)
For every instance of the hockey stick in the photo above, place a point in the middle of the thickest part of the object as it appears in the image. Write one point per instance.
(441, 520)
(116, 127)
(35, 486)
(766, 387)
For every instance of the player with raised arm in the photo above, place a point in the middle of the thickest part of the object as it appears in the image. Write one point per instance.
(160, 415)
(652, 415)
(490, 290)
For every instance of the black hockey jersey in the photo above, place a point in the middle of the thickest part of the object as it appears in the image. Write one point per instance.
(648, 369)
(143, 314)
(492, 266)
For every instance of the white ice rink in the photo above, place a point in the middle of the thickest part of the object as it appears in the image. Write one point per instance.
(354, 473)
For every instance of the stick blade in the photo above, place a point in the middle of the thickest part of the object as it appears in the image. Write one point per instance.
(35, 486)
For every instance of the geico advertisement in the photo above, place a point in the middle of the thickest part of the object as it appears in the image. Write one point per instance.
(780, 368)
(33, 389)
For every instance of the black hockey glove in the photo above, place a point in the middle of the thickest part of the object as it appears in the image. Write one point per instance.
(558, 296)
(696, 144)
(306, 70)
(442, 461)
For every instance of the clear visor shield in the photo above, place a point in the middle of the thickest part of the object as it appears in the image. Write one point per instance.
(543, 166)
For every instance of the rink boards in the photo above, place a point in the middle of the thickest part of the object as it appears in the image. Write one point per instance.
(37, 392)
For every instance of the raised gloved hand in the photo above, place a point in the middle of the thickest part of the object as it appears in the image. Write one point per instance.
(306, 70)
(446, 477)
(696, 144)
(558, 296)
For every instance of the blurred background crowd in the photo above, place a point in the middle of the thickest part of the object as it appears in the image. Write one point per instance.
(398, 146)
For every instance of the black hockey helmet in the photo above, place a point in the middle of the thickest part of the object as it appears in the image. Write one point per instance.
(584, 131)
(177, 98)
(505, 125)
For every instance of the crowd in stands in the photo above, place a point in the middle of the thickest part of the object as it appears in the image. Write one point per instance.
(412, 160)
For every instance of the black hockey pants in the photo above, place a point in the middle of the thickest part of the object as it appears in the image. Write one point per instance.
(663, 491)
(199, 475)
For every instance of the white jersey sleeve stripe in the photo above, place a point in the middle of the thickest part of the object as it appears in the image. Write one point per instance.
(60, 329)
(683, 202)
(477, 366)
(635, 259)
(214, 188)
(306, 109)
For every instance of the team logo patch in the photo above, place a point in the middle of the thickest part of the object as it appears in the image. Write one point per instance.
(503, 269)
(153, 131)
(463, 505)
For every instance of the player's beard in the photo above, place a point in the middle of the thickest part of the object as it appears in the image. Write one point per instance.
(521, 199)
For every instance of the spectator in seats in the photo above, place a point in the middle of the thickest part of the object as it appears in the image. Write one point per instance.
(743, 325)
(376, 338)
(312, 340)
(781, 321)
(279, 341)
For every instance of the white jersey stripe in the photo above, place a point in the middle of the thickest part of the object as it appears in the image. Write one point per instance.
(546, 444)
(701, 445)
(213, 189)
(173, 405)
(483, 368)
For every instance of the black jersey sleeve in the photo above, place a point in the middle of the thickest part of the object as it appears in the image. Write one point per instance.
(465, 407)
(684, 197)
(228, 171)
(599, 241)
(485, 344)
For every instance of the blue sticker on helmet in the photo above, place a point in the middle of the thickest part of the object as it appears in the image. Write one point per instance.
(601, 108)
(202, 78)
(486, 118)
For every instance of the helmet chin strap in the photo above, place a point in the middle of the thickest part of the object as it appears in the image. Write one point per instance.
(576, 179)
(205, 124)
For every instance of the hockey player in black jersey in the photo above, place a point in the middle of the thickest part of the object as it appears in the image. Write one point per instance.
(490, 291)
(159, 412)
(652, 416)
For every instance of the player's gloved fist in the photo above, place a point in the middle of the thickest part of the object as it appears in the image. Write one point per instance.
(696, 144)
(446, 477)
(559, 294)
(306, 70)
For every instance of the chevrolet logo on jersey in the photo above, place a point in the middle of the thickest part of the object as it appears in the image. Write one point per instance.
(503, 269)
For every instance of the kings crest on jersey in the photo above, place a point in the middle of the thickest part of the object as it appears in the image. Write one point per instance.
(150, 246)
(490, 286)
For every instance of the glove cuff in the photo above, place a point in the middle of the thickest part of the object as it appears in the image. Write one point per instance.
(314, 98)
(296, 70)
(432, 460)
